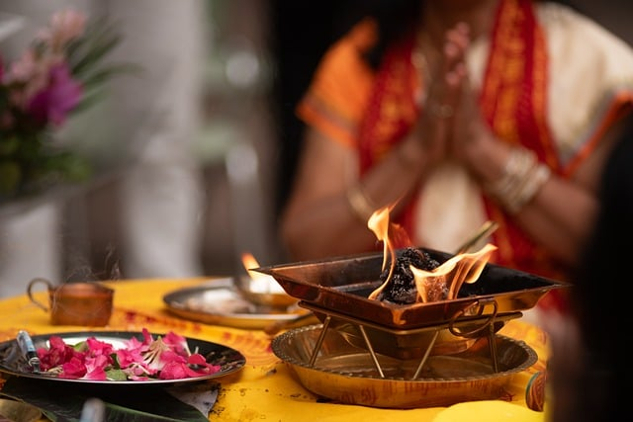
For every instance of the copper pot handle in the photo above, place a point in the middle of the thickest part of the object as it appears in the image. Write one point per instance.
(30, 293)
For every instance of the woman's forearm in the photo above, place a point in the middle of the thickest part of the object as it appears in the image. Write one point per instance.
(322, 218)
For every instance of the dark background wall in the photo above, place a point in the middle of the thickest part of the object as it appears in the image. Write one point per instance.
(301, 32)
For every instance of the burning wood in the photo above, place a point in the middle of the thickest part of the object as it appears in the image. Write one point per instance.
(413, 276)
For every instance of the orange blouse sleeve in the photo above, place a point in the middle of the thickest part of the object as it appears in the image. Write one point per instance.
(338, 94)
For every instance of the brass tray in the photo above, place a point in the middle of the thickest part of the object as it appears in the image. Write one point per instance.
(346, 374)
(344, 284)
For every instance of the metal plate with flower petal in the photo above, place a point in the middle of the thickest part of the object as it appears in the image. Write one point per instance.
(13, 362)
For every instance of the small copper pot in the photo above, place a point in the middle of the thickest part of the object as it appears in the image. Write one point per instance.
(85, 303)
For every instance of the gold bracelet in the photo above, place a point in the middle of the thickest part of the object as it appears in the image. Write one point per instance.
(522, 178)
(533, 183)
(360, 204)
(517, 167)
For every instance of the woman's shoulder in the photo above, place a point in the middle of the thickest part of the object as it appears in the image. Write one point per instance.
(569, 30)
(346, 54)
(591, 72)
(343, 80)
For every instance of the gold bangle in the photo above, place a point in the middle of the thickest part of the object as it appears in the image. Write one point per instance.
(360, 204)
(533, 183)
(522, 178)
(517, 167)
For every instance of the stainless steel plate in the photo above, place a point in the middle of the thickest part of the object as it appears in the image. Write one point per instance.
(220, 302)
(264, 291)
(347, 374)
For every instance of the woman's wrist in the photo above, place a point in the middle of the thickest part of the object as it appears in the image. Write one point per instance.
(419, 153)
(510, 175)
(485, 157)
(522, 178)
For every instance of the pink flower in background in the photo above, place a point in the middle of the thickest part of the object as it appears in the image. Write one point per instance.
(24, 69)
(64, 26)
(57, 99)
(63, 71)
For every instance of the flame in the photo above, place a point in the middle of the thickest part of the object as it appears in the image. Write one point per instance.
(449, 277)
(260, 283)
(379, 224)
(392, 235)
(249, 261)
(442, 283)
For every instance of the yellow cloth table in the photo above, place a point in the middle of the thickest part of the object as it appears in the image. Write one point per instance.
(265, 389)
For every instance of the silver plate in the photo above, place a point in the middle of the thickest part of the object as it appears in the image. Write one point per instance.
(12, 362)
(219, 302)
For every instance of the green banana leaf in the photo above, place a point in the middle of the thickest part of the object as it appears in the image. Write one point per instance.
(63, 402)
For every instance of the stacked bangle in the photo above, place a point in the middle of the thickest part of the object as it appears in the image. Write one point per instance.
(522, 178)
(360, 204)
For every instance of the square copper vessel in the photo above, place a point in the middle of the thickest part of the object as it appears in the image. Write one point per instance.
(342, 286)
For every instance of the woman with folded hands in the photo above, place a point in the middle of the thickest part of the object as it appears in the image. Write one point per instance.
(459, 112)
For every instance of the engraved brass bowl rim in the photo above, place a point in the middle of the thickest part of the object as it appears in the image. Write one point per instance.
(395, 391)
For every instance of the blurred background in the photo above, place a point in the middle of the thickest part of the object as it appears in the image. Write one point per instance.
(201, 146)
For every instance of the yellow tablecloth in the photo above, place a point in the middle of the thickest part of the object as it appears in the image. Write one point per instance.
(265, 389)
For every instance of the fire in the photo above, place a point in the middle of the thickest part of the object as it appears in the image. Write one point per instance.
(379, 224)
(260, 283)
(460, 269)
(442, 283)
(249, 261)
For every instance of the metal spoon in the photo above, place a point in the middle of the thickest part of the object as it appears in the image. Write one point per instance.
(484, 231)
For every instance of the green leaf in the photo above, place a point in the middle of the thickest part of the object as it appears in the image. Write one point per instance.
(60, 401)
(8, 145)
(88, 100)
(91, 49)
(82, 346)
(116, 375)
(100, 76)
(10, 175)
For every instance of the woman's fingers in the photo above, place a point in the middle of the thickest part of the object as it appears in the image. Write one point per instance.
(455, 47)
(445, 93)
